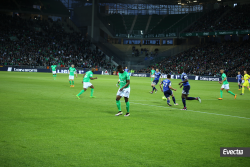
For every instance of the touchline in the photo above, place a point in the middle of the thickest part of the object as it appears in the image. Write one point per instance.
(232, 152)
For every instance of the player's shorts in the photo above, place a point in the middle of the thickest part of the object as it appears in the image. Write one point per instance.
(246, 84)
(124, 93)
(71, 77)
(185, 90)
(152, 75)
(86, 84)
(155, 82)
(168, 93)
(226, 86)
(53, 72)
(240, 81)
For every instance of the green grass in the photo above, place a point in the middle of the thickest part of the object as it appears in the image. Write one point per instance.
(44, 124)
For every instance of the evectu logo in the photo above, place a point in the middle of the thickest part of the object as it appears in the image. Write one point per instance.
(235, 151)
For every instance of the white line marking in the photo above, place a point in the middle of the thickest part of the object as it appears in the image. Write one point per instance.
(194, 111)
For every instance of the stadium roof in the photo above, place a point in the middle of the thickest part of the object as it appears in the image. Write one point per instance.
(161, 2)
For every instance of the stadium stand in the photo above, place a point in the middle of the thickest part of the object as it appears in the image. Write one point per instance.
(237, 19)
(207, 21)
(207, 59)
(141, 22)
(21, 44)
(167, 22)
(118, 20)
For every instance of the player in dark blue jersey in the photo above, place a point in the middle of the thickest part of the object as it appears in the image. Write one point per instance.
(126, 69)
(156, 80)
(239, 78)
(186, 88)
(167, 90)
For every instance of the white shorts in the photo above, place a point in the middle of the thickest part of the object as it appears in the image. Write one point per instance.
(225, 86)
(53, 72)
(86, 84)
(124, 93)
(71, 77)
(243, 81)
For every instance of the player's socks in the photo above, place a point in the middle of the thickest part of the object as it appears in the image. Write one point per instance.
(168, 102)
(173, 98)
(73, 82)
(192, 98)
(80, 93)
(91, 92)
(231, 93)
(55, 76)
(127, 106)
(118, 104)
(239, 86)
(221, 93)
(70, 82)
(153, 89)
(184, 102)
(243, 89)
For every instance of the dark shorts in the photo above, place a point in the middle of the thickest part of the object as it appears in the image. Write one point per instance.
(155, 82)
(240, 81)
(168, 93)
(185, 90)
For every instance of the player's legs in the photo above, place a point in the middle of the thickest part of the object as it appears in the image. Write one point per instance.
(239, 84)
(118, 104)
(85, 87)
(73, 83)
(184, 97)
(92, 91)
(127, 106)
(221, 93)
(227, 89)
(167, 95)
(173, 98)
(153, 87)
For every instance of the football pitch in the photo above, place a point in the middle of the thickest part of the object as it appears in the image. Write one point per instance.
(44, 124)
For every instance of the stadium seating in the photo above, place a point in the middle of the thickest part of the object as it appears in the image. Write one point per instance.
(117, 21)
(207, 21)
(202, 60)
(129, 20)
(141, 22)
(167, 22)
(155, 19)
(21, 44)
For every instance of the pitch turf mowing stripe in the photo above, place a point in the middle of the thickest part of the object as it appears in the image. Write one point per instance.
(194, 111)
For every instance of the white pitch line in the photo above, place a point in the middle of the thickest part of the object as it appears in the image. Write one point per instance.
(193, 111)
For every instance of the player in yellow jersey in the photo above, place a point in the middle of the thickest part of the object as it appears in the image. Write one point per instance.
(246, 77)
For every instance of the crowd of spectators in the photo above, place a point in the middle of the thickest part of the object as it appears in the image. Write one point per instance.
(208, 59)
(42, 43)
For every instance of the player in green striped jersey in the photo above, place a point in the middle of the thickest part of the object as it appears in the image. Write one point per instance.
(86, 78)
(225, 85)
(72, 72)
(124, 90)
(53, 68)
(152, 74)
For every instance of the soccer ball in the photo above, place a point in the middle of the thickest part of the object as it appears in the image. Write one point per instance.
(164, 98)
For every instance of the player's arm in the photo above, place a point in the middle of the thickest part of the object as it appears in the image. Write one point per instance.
(128, 82)
(93, 78)
(161, 87)
(170, 87)
(118, 83)
(223, 80)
